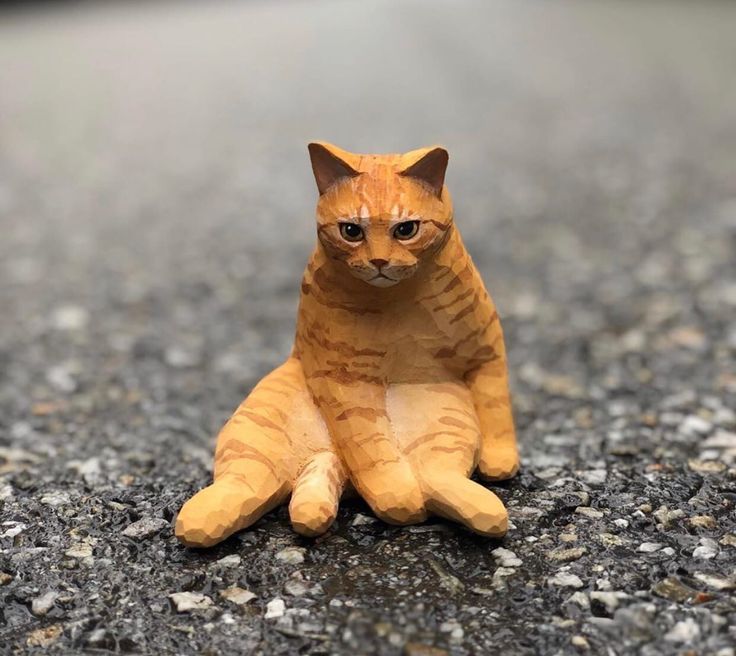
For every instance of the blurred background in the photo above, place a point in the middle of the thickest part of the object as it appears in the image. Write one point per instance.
(157, 210)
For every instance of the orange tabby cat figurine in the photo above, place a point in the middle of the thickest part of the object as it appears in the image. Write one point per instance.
(397, 384)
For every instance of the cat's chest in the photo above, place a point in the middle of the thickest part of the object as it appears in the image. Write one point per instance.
(399, 342)
(415, 343)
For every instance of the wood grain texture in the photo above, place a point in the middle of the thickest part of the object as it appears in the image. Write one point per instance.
(397, 383)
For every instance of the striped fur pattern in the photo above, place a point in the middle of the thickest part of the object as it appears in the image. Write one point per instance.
(397, 384)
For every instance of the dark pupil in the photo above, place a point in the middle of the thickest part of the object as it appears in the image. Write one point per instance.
(352, 230)
(406, 228)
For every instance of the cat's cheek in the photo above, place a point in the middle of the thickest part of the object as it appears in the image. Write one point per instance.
(335, 251)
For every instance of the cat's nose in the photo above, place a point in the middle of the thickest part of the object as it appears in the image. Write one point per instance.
(378, 262)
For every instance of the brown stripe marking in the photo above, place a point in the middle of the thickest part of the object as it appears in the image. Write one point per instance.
(428, 437)
(451, 421)
(439, 225)
(371, 414)
(248, 454)
(463, 313)
(376, 437)
(263, 422)
(342, 347)
(450, 449)
(346, 377)
(462, 296)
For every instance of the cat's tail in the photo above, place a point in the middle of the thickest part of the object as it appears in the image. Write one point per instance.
(257, 465)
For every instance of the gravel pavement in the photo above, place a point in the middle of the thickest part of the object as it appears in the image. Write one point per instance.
(156, 212)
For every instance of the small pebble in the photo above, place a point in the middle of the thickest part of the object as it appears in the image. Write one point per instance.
(666, 517)
(43, 604)
(61, 379)
(673, 589)
(69, 317)
(684, 631)
(55, 499)
(237, 595)
(506, 558)
(706, 466)
(233, 560)
(702, 521)
(608, 599)
(594, 476)
(291, 555)
(695, 425)
(12, 529)
(716, 582)
(580, 642)
(500, 575)
(145, 528)
(189, 601)
(567, 555)
(722, 439)
(275, 609)
(295, 588)
(79, 550)
(708, 549)
(45, 636)
(579, 599)
(610, 539)
(565, 580)
(728, 540)
(180, 358)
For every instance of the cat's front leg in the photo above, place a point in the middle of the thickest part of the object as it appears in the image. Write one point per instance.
(499, 455)
(360, 428)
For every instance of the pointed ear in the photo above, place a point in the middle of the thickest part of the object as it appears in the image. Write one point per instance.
(428, 165)
(329, 164)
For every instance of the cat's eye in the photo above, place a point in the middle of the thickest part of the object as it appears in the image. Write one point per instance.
(406, 229)
(351, 231)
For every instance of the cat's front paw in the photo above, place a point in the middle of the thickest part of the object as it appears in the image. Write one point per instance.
(499, 463)
(394, 496)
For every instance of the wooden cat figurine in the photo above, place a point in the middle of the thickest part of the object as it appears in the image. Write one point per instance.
(397, 383)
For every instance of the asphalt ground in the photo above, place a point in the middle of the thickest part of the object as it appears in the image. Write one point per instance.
(156, 212)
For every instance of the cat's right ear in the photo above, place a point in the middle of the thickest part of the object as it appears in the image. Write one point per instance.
(329, 165)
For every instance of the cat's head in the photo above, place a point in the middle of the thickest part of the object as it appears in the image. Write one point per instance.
(381, 215)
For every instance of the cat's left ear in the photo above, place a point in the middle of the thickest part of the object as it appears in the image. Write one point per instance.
(427, 165)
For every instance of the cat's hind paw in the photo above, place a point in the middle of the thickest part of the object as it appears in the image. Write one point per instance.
(499, 463)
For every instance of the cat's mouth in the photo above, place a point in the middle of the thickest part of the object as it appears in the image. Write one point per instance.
(382, 280)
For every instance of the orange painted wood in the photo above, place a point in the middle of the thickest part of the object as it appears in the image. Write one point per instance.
(397, 383)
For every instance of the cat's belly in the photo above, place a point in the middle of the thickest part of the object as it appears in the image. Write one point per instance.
(432, 421)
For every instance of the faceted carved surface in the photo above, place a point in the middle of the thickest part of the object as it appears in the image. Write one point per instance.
(397, 384)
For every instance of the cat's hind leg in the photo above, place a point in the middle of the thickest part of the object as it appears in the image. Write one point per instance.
(256, 459)
(439, 433)
(499, 454)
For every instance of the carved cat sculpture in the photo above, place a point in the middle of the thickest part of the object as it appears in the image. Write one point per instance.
(397, 383)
